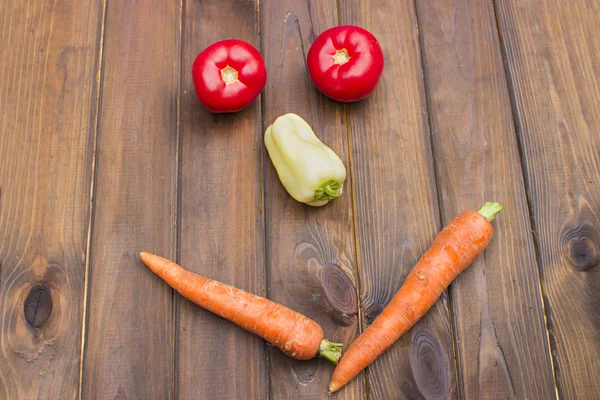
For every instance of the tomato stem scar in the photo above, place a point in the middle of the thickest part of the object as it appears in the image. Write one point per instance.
(229, 75)
(341, 56)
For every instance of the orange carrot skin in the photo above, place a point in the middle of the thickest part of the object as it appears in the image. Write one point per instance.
(295, 334)
(454, 249)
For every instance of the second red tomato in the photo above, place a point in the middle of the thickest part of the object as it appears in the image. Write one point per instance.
(345, 63)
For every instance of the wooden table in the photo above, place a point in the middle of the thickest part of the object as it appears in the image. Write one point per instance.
(106, 152)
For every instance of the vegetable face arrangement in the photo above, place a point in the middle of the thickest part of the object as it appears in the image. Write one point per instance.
(345, 63)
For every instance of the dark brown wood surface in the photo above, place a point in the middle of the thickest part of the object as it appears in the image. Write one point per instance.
(309, 251)
(221, 228)
(105, 151)
(501, 336)
(128, 348)
(48, 97)
(553, 60)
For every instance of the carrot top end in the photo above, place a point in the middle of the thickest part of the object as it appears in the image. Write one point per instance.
(331, 351)
(490, 209)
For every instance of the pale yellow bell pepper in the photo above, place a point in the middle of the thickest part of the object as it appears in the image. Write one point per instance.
(309, 170)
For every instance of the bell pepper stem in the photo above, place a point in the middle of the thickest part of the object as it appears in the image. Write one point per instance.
(330, 350)
(328, 191)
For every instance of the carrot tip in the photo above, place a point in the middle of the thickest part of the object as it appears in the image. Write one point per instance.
(490, 209)
(331, 351)
(144, 256)
(334, 387)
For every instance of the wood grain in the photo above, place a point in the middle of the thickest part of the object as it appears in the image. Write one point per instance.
(129, 352)
(310, 251)
(501, 338)
(221, 226)
(553, 59)
(48, 101)
(397, 213)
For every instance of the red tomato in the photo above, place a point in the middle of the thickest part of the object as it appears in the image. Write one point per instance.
(345, 63)
(228, 75)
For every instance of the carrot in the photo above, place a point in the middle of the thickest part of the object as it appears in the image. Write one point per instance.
(454, 249)
(296, 335)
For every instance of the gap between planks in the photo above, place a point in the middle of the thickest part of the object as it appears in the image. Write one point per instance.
(359, 294)
(176, 211)
(265, 276)
(88, 254)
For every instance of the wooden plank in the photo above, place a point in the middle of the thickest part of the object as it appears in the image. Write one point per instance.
(221, 220)
(397, 213)
(310, 251)
(553, 59)
(48, 100)
(502, 342)
(129, 351)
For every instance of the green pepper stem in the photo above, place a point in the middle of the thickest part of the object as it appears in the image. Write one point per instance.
(331, 351)
(328, 191)
(490, 209)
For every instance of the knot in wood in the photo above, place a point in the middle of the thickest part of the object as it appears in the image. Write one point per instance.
(373, 312)
(583, 253)
(38, 305)
(581, 245)
(429, 366)
(339, 293)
